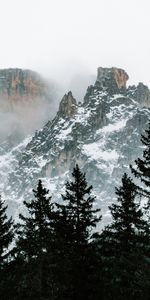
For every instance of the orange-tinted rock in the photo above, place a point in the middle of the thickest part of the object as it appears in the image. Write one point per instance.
(112, 79)
(120, 77)
(17, 85)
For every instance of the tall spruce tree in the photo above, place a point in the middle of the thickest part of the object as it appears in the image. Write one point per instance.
(6, 236)
(142, 168)
(124, 246)
(78, 207)
(33, 246)
(78, 217)
(127, 215)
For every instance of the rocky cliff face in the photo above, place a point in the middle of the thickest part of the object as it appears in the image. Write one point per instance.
(68, 106)
(102, 135)
(22, 85)
(141, 94)
(112, 79)
(26, 103)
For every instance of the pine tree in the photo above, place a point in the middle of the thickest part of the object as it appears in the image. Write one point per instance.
(33, 245)
(6, 237)
(78, 217)
(78, 206)
(127, 215)
(124, 246)
(6, 234)
(35, 228)
(142, 168)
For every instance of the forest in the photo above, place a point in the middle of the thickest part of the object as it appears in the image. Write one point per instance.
(56, 252)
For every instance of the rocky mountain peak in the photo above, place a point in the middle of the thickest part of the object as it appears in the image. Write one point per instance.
(112, 79)
(18, 85)
(68, 106)
(142, 95)
(26, 103)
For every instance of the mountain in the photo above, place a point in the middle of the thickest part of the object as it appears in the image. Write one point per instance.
(102, 135)
(17, 85)
(26, 103)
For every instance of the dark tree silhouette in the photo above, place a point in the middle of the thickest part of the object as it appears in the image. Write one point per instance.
(34, 243)
(6, 237)
(124, 245)
(78, 217)
(6, 233)
(142, 167)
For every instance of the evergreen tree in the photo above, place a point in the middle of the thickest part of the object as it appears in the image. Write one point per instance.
(78, 217)
(33, 246)
(127, 215)
(78, 207)
(124, 246)
(6, 236)
(142, 168)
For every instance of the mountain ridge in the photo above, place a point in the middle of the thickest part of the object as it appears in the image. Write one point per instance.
(102, 135)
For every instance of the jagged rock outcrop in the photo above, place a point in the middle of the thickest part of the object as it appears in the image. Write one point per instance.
(22, 85)
(68, 106)
(141, 94)
(120, 77)
(26, 103)
(102, 135)
(112, 79)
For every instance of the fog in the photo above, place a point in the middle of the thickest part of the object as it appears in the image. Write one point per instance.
(66, 41)
(77, 78)
(22, 119)
(56, 37)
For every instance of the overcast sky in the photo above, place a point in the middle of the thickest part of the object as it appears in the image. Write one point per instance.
(63, 37)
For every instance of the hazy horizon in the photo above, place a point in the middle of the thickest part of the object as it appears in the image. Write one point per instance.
(66, 41)
(63, 39)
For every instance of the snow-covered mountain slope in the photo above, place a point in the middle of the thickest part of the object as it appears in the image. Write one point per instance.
(102, 135)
